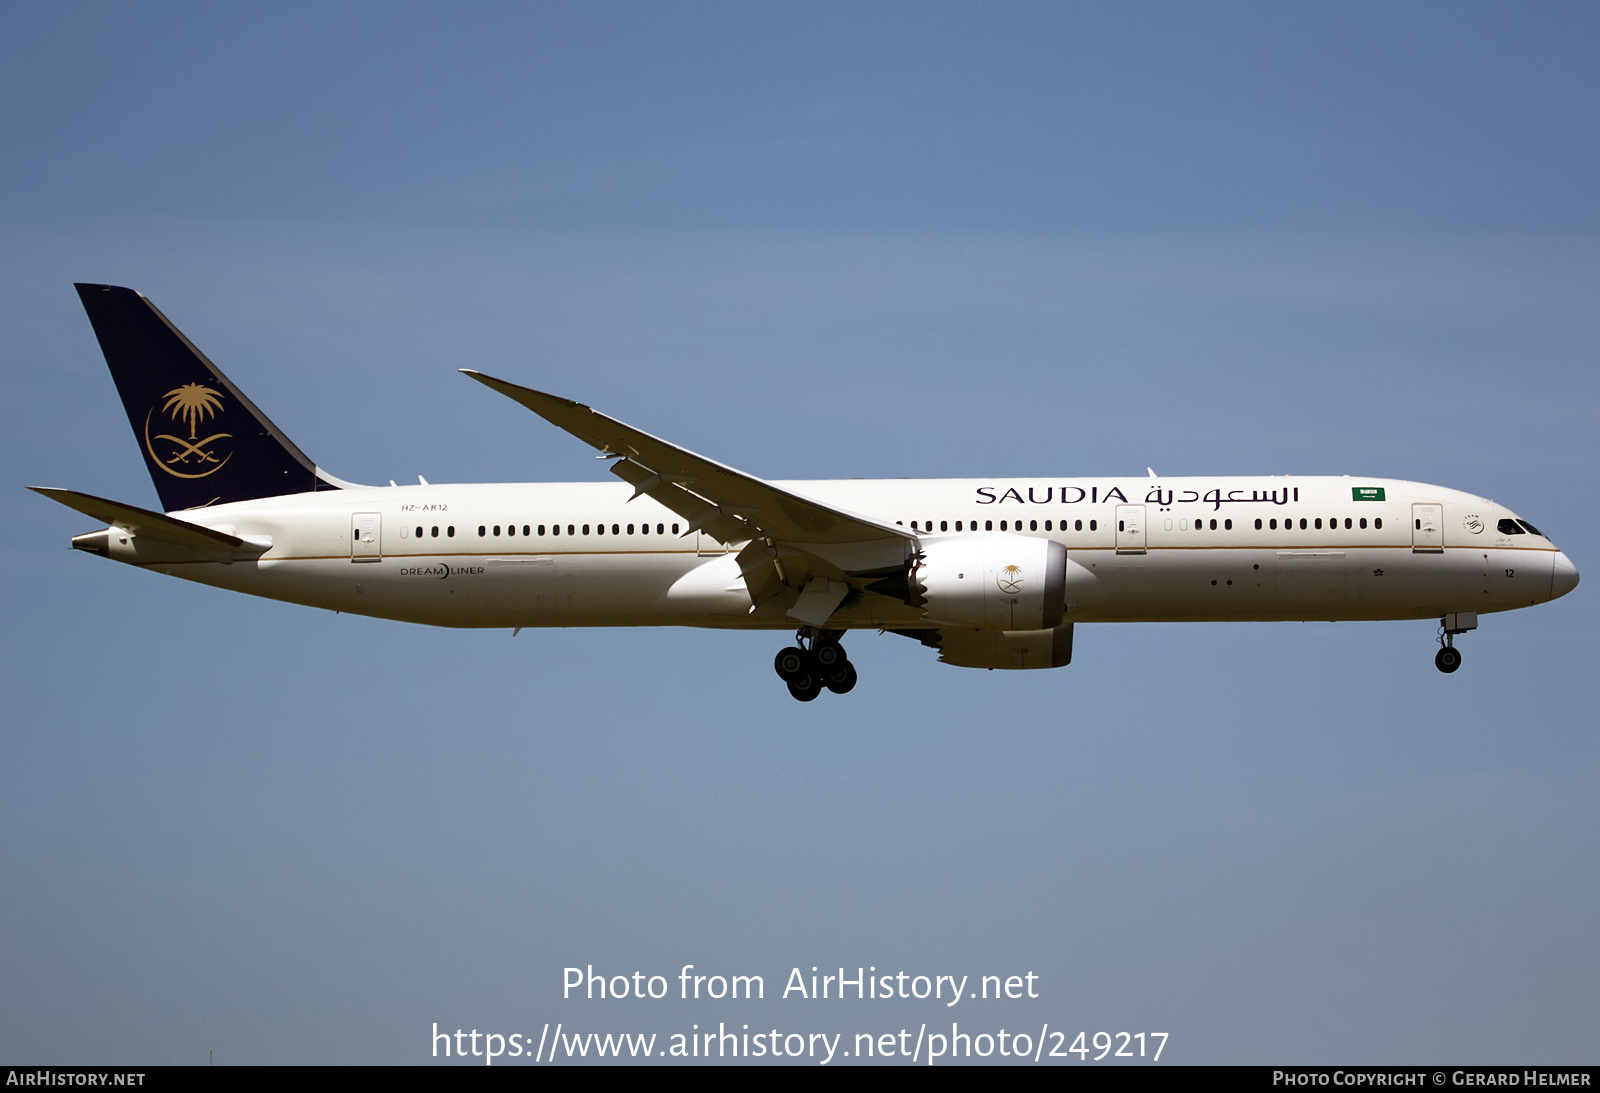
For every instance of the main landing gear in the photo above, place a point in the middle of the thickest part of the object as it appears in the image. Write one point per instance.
(1448, 658)
(817, 660)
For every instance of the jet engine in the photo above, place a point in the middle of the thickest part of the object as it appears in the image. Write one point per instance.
(985, 582)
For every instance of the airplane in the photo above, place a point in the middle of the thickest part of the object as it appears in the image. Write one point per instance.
(992, 572)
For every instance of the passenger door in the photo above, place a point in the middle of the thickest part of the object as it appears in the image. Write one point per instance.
(366, 537)
(1130, 529)
(1427, 529)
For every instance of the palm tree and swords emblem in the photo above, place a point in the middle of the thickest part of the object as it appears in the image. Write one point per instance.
(191, 405)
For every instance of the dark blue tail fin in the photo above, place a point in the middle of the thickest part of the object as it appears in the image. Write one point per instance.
(203, 441)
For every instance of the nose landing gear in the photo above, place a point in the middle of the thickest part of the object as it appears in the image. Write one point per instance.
(815, 662)
(1448, 658)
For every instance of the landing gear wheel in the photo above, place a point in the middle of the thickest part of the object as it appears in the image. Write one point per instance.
(792, 663)
(828, 654)
(841, 679)
(1448, 659)
(815, 661)
(805, 687)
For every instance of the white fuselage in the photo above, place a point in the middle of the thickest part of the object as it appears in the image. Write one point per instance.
(1153, 549)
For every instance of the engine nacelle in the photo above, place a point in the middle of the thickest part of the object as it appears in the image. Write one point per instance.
(1011, 649)
(991, 582)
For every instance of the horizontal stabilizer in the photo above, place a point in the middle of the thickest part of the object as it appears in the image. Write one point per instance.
(153, 525)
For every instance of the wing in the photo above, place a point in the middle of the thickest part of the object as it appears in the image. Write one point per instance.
(792, 540)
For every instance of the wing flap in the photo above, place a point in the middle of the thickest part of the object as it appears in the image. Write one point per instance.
(723, 525)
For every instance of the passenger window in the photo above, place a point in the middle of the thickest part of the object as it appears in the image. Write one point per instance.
(419, 533)
(599, 529)
(436, 531)
(614, 530)
(1227, 525)
(497, 529)
(1507, 527)
(630, 529)
(511, 529)
(913, 525)
(450, 531)
(1529, 528)
(1347, 523)
(1213, 525)
(1258, 523)
(586, 529)
(1047, 525)
(1033, 525)
(1077, 525)
(1272, 525)
(572, 530)
(555, 529)
(1377, 522)
(958, 525)
(524, 529)
(674, 528)
(1363, 523)
(1121, 525)
(541, 529)
(482, 531)
(944, 525)
(1002, 525)
(988, 525)
(1302, 523)
(1094, 525)
(1318, 523)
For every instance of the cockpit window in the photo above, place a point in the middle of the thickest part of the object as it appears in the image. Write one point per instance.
(1529, 528)
(1509, 527)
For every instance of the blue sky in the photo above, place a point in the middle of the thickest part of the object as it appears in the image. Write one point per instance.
(809, 241)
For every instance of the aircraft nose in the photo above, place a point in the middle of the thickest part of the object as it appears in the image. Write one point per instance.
(1564, 578)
